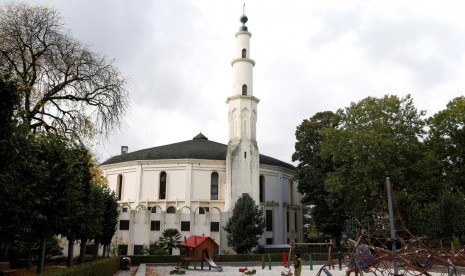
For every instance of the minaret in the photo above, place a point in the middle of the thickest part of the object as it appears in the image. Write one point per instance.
(242, 159)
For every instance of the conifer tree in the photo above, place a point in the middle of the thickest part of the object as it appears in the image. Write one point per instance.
(245, 226)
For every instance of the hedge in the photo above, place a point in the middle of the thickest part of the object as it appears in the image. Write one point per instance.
(103, 267)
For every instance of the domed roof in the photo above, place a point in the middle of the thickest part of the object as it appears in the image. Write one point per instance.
(197, 148)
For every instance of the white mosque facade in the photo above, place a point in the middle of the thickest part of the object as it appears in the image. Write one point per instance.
(192, 185)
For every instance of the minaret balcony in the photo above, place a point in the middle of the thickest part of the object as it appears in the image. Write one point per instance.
(243, 59)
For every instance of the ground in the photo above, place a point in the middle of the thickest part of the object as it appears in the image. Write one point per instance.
(157, 270)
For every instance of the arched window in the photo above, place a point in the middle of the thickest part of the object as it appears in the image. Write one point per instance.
(244, 89)
(214, 186)
(262, 188)
(244, 53)
(171, 210)
(119, 186)
(162, 194)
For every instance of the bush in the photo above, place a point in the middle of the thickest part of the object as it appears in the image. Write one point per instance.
(103, 267)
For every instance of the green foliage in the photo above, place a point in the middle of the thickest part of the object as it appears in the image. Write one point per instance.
(155, 248)
(245, 226)
(110, 216)
(447, 139)
(104, 267)
(170, 239)
(377, 138)
(345, 158)
(312, 170)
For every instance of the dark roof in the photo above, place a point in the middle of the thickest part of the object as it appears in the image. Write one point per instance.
(198, 148)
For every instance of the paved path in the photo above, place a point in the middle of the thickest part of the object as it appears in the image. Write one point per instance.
(127, 272)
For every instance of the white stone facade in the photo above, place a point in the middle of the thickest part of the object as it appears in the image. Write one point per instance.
(188, 190)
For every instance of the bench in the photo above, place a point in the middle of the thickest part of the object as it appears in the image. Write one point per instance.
(5, 269)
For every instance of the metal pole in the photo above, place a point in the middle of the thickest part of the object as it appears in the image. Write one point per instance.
(392, 227)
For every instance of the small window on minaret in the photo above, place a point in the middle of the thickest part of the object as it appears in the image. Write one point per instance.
(244, 89)
(245, 155)
(244, 53)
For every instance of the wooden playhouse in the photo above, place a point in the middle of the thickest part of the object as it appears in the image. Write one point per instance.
(194, 248)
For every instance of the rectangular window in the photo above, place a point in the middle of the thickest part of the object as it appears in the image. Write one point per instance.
(185, 225)
(287, 221)
(155, 225)
(138, 249)
(269, 240)
(125, 209)
(269, 220)
(122, 249)
(214, 226)
(124, 224)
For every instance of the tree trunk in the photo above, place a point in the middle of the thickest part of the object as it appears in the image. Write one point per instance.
(69, 261)
(41, 259)
(29, 258)
(105, 251)
(5, 254)
(82, 252)
(96, 245)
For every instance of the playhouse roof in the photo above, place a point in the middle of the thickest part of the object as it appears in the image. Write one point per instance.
(195, 240)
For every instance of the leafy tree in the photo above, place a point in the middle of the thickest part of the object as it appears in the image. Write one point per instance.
(110, 220)
(64, 86)
(245, 226)
(9, 145)
(54, 184)
(312, 170)
(170, 239)
(447, 139)
(377, 138)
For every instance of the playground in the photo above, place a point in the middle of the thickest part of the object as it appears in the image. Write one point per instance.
(234, 270)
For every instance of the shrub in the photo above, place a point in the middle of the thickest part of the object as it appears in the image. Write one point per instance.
(103, 267)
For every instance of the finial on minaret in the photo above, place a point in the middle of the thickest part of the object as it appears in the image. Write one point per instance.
(243, 20)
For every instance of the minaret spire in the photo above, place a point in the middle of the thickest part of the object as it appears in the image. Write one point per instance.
(243, 20)
(242, 158)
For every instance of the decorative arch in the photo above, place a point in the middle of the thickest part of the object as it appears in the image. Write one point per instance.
(184, 207)
(154, 209)
(140, 208)
(125, 205)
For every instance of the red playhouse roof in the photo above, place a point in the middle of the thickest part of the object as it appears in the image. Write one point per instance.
(194, 240)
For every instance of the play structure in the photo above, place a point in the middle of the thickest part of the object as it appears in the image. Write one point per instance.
(198, 249)
(391, 249)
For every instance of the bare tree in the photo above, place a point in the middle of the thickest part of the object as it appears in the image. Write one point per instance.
(65, 87)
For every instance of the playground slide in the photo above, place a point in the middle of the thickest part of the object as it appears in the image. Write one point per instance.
(211, 262)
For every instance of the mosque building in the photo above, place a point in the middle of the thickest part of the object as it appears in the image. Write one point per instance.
(193, 185)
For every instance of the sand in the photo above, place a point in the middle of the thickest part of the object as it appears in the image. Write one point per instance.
(158, 270)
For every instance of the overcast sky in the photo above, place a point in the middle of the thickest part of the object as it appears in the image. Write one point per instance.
(311, 56)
